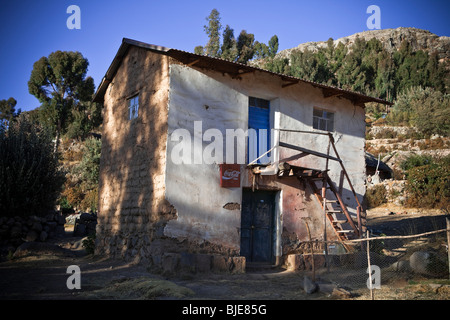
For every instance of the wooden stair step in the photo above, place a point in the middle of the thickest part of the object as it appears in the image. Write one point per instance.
(334, 211)
(339, 221)
(345, 231)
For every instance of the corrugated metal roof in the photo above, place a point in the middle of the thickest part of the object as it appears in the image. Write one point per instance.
(235, 69)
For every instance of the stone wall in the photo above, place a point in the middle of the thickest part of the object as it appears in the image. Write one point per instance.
(132, 207)
(16, 230)
(85, 225)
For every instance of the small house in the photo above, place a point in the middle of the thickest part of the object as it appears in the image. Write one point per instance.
(210, 164)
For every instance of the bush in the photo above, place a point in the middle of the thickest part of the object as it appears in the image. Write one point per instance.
(414, 161)
(428, 186)
(386, 133)
(90, 200)
(73, 195)
(89, 167)
(425, 108)
(376, 196)
(89, 244)
(30, 179)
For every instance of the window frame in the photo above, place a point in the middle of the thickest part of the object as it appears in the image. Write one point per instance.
(135, 100)
(324, 122)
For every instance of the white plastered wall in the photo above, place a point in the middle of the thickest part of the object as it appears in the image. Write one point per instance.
(222, 102)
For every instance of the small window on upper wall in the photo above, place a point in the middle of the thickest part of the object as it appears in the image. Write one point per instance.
(133, 107)
(323, 120)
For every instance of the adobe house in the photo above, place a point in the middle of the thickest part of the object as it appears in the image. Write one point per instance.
(167, 200)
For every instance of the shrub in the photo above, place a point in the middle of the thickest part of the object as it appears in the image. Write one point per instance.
(415, 160)
(73, 194)
(30, 178)
(425, 108)
(90, 163)
(428, 186)
(90, 200)
(376, 196)
(386, 133)
(89, 244)
(65, 205)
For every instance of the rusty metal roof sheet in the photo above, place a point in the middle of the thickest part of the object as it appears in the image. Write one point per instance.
(235, 69)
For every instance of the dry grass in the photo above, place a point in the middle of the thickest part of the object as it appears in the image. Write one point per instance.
(140, 288)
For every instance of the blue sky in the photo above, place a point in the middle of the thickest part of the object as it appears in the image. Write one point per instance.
(32, 29)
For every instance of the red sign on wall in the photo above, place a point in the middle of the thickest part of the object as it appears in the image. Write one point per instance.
(230, 175)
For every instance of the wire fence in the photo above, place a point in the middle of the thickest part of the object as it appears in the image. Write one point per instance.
(377, 262)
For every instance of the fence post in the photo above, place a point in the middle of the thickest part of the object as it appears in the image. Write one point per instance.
(369, 267)
(311, 250)
(448, 244)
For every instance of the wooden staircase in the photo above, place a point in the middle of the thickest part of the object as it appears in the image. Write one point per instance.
(333, 206)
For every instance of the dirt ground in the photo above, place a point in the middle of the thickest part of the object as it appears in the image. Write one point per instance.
(42, 275)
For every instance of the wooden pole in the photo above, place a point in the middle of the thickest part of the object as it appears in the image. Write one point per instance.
(369, 267)
(397, 237)
(312, 253)
(448, 244)
(358, 215)
(324, 198)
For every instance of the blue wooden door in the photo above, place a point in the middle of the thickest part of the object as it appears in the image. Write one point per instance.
(257, 223)
(259, 120)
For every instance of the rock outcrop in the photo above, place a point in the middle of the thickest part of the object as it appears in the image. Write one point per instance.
(390, 38)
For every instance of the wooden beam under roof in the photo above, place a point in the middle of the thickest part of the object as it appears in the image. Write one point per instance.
(328, 93)
(190, 64)
(289, 81)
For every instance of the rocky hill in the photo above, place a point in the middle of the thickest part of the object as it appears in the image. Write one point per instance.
(391, 39)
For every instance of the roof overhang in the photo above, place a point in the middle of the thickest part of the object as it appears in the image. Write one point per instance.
(235, 70)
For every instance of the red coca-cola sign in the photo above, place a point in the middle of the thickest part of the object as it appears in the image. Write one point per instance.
(230, 175)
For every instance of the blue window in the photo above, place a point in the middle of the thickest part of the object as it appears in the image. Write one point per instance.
(259, 137)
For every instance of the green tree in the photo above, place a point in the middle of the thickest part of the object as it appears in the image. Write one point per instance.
(261, 50)
(278, 65)
(212, 29)
(199, 50)
(8, 109)
(59, 82)
(242, 49)
(273, 46)
(245, 47)
(229, 46)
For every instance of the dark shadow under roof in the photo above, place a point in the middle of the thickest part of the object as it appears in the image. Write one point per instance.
(224, 66)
